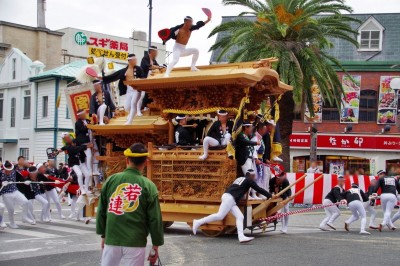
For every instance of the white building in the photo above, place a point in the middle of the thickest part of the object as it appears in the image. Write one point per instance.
(78, 44)
(17, 105)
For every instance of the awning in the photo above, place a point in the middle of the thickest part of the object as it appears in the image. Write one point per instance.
(8, 140)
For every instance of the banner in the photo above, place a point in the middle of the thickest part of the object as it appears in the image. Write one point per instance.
(336, 168)
(316, 193)
(78, 97)
(317, 106)
(388, 100)
(351, 99)
(98, 52)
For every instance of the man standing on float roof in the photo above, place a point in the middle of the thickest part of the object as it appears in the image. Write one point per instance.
(181, 34)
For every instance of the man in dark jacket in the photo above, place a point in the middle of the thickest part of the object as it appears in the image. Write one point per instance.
(276, 185)
(148, 64)
(181, 34)
(132, 71)
(244, 148)
(229, 200)
(101, 104)
(183, 135)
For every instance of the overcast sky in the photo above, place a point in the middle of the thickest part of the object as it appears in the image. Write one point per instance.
(121, 17)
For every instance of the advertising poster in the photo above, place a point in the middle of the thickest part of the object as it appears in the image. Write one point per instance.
(317, 106)
(351, 99)
(336, 168)
(388, 100)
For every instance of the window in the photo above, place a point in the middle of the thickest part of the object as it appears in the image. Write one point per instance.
(27, 104)
(368, 105)
(24, 152)
(14, 68)
(370, 35)
(68, 115)
(12, 115)
(330, 112)
(1, 105)
(45, 109)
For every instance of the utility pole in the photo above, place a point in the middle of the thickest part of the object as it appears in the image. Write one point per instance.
(150, 20)
(314, 145)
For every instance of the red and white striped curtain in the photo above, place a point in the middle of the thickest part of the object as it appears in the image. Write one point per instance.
(316, 193)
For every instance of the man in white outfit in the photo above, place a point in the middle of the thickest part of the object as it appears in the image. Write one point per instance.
(355, 198)
(12, 196)
(389, 186)
(181, 34)
(332, 212)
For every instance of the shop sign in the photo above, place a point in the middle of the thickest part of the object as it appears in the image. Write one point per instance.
(97, 52)
(103, 43)
(347, 142)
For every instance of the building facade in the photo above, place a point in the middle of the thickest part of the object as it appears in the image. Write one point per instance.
(362, 134)
(37, 43)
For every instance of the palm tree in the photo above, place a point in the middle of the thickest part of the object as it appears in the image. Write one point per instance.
(299, 33)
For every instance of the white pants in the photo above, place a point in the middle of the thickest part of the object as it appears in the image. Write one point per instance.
(228, 204)
(92, 161)
(372, 213)
(82, 172)
(112, 256)
(131, 102)
(16, 197)
(140, 102)
(357, 210)
(332, 213)
(285, 219)
(31, 214)
(249, 164)
(45, 213)
(2, 208)
(211, 142)
(179, 51)
(388, 201)
(100, 113)
(53, 196)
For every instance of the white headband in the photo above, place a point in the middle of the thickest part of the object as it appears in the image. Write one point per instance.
(219, 113)
(132, 57)
(180, 117)
(64, 134)
(247, 125)
(34, 172)
(81, 112)
(8, 169)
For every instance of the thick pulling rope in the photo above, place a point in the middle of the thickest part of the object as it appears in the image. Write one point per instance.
(281, 215)
(28, 182)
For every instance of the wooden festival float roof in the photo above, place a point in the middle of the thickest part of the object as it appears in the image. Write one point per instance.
(219, 86)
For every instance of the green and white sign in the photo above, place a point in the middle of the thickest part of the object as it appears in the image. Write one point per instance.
(80, 38)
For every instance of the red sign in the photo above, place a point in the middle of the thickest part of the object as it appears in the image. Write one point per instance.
(108, 43)
(347, 142)
(80, 100)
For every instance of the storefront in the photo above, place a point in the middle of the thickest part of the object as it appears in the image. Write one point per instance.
(340, 152)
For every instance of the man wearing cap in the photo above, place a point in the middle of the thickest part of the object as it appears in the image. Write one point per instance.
(244, 147)
(355, 198)
(12, 196)
(333, 212)
(128, 211)
(101, 104)
(389, 186)
(132, 71)
(229, 200)
(369, 205)
(276, 184)
(84, 136)
(181, 35)
(220, 133)
(183, 135)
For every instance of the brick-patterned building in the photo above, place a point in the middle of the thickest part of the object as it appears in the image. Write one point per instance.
(365, 144)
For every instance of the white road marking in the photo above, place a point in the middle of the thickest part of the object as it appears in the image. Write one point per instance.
(30, 233)
(19, 251)
(66, 229)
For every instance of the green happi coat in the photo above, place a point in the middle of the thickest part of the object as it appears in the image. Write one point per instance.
(129, 210)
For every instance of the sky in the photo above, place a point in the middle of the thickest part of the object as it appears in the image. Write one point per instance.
(121, 17)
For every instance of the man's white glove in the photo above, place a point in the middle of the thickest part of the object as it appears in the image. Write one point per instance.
(343, 202)
(4, 183)
(27, 182)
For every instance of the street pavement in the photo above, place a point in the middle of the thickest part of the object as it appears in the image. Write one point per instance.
(67, 242)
